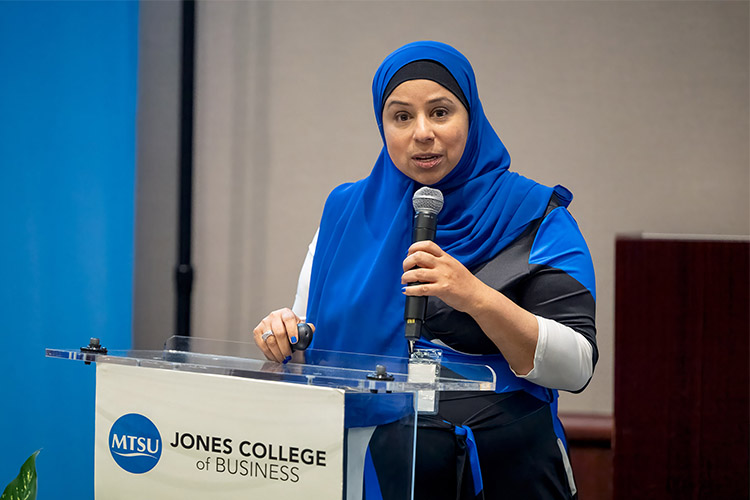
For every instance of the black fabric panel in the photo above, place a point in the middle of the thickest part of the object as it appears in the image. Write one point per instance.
(554, 294)
(518, 452)
(391, 448)
(455, 329)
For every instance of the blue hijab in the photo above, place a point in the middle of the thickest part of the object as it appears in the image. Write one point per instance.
(355, 298)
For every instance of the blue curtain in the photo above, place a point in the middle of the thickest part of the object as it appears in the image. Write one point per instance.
(68, 73)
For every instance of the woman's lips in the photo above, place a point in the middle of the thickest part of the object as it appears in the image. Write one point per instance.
(426, 160)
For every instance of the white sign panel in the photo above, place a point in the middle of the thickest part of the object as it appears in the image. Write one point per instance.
(172, 434)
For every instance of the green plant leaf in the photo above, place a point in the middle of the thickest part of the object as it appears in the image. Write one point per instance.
(23, 487)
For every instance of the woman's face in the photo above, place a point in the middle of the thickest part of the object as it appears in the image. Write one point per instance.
(425, 129)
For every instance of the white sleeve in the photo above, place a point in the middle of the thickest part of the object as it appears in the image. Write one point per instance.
(563, 357)
(303, 283)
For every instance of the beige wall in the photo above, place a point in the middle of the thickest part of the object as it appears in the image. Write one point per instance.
(640, 108)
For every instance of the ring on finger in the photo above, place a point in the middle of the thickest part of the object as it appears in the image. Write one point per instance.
(265, 335)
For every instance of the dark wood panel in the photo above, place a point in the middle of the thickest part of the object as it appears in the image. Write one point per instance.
(681, 369)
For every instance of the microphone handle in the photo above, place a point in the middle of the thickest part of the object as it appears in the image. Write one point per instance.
(425, 225)
(424, 228)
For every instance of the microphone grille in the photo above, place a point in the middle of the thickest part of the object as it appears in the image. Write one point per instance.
(427, 199)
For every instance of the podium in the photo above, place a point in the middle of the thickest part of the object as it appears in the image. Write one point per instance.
(214, 419)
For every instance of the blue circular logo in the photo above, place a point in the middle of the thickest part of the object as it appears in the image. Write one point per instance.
(135, 443)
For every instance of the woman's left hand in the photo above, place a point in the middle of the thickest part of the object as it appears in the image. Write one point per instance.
(440, 276)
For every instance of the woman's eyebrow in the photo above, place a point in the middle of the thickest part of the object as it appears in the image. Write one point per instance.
(393, 103)
(440, 99)
(431, 101)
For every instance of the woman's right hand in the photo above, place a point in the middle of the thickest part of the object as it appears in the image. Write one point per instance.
(282, 324)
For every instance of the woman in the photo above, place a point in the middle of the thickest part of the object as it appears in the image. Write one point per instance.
(509, 282)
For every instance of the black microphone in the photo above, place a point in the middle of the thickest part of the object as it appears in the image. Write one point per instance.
(427, 204)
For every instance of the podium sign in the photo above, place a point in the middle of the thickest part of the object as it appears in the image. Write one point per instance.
(214, 436)
(215, 419)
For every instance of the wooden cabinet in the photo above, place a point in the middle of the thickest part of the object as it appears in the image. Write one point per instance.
(681, 369)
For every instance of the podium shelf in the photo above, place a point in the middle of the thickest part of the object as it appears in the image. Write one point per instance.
(349, 371)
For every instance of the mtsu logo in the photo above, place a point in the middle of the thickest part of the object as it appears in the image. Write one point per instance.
(135, 443)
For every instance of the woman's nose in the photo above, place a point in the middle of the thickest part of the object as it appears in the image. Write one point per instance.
(423, 129)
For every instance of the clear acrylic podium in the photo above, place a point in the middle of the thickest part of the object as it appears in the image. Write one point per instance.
(214, 419)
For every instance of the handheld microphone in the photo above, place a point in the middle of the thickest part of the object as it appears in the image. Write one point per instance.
(427, 204)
